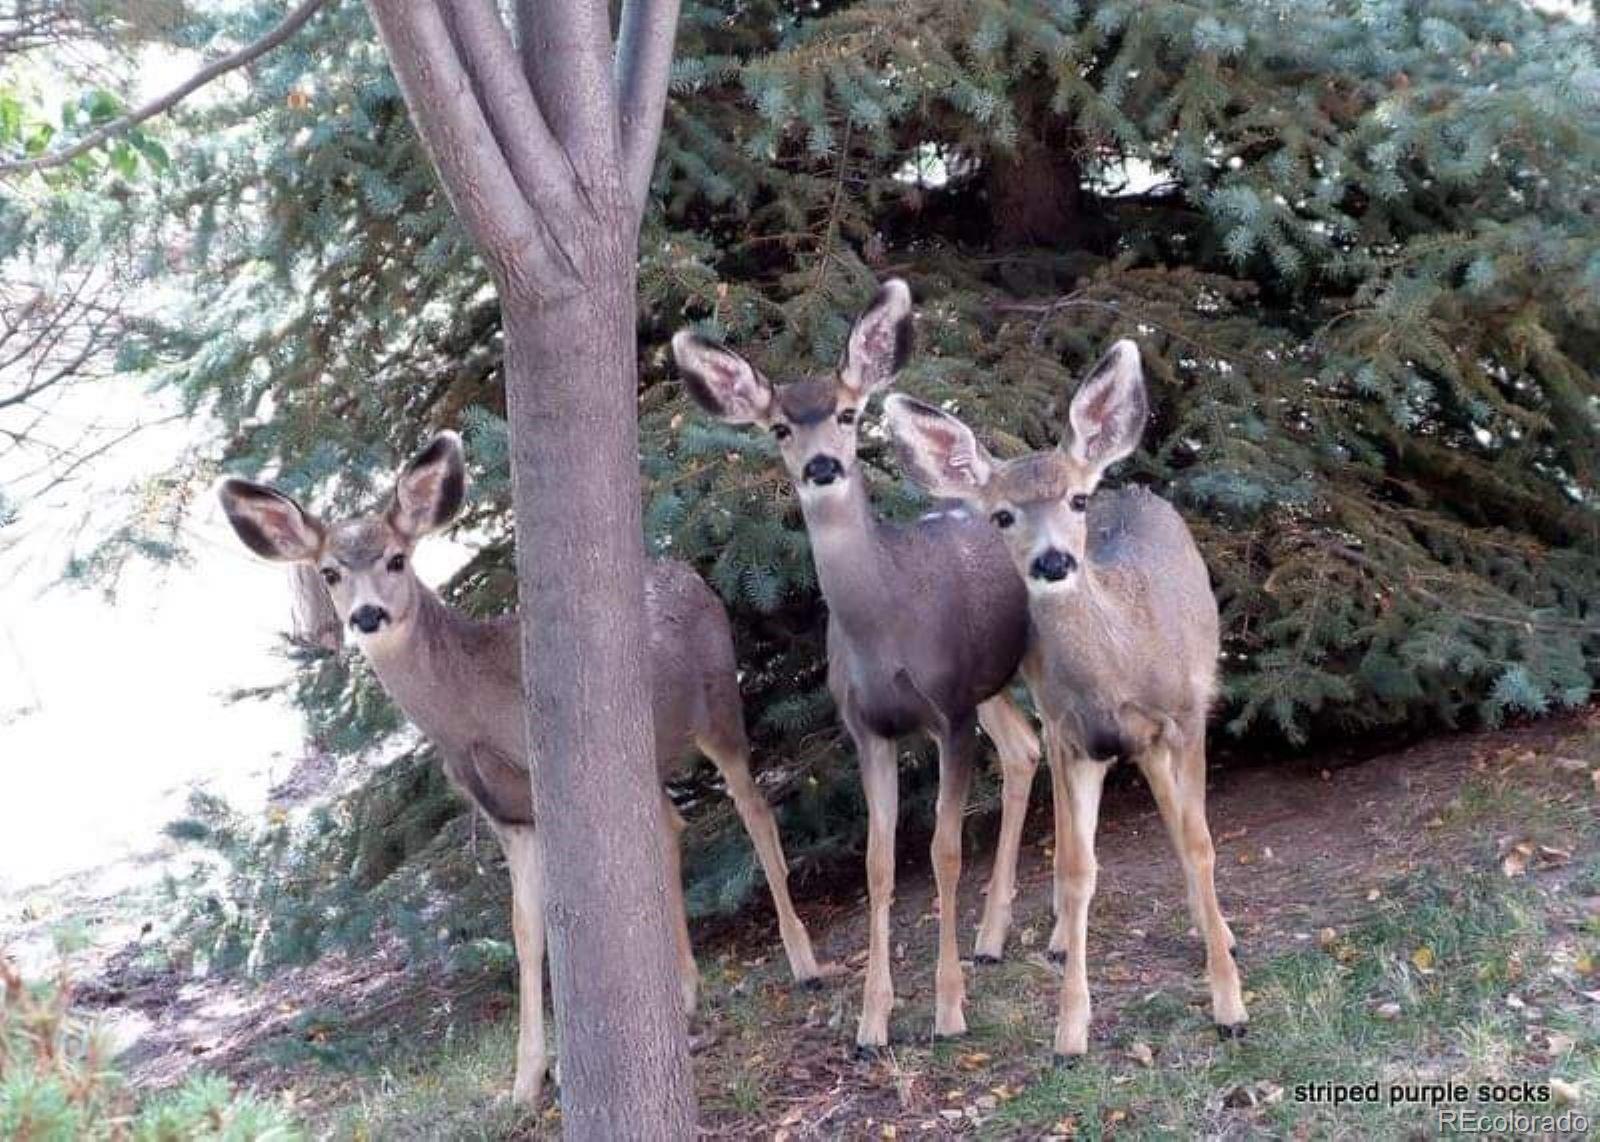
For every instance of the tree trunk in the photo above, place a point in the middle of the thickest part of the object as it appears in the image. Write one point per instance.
(571, 384)
(312, 620)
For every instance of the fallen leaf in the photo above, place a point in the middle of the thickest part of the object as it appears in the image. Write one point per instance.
(1559, 1044)
(1423, 958)
(888, 1130)
(1515, 863)
(1327, 937)
(1387, 1011)
(1373, 894)
(1565, 1092)
(1142, 1054)
(973, 1061)
(1514, 1002)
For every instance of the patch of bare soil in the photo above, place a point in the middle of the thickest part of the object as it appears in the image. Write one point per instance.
(1300, 846)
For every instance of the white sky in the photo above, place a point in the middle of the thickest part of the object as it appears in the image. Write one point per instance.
(109, 711)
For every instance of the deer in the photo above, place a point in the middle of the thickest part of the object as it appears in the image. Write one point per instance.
(926, 628)
(1123, 659)
(458, 679)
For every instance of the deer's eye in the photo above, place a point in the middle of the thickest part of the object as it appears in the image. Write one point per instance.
(1003, 518)
(1079, 502)
(847, 416)
(397, 563)
(330, 576)
(781, 432)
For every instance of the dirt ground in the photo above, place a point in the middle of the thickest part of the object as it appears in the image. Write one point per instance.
(1306, 851)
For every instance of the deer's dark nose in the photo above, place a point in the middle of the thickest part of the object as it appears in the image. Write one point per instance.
(822, 469)
(367, 619)
(1052, 565)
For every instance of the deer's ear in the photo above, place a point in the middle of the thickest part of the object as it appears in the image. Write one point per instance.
(270, 523)
(880, 343)
(937, 450)
(720, 381)
(1109, 410)
(431, 487)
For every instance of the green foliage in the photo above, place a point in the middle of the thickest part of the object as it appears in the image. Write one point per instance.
(1355, 241)
(56, 1083)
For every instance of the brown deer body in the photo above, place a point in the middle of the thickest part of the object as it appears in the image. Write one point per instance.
(459, 680)
(1123, 658)
(926, 627)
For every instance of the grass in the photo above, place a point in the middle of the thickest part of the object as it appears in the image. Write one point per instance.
(1450, 952)
(457, 1091)
(1452, 972)
(1475, 964)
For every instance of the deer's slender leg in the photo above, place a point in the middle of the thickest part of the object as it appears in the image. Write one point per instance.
(1019, 758)
(688, 973)
(523, 860)
(880, 780)
(1178, 781)
(734, 765)
(955, 782)
(1082, 780)
(1061, 810)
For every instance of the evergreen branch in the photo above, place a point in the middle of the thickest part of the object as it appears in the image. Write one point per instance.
(1446, 606)
(645, 38)
(470, 161)
(252, 51)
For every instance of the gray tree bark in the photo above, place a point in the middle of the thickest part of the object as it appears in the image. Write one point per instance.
(545, 149)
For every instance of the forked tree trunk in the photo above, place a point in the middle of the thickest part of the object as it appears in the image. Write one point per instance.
(571, 386)
(546, 151)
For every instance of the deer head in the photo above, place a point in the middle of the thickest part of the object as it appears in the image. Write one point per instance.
(366, 560)
(814, 421)
(1039, 502)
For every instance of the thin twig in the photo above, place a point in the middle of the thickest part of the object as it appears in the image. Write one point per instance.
(252, 51)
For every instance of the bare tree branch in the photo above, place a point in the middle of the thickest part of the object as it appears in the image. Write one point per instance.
(644, 64)
(469, 160)
(290, 24)
(536, 159)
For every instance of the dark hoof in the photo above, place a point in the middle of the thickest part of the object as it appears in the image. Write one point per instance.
(1235, 1031)
(814, 984)
(1066, 1062)
(866, 1053)
(980, 958)
(1057, 957)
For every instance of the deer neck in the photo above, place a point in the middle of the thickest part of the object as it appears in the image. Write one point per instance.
(1079, 632)
(411, 662)
(855, 573)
